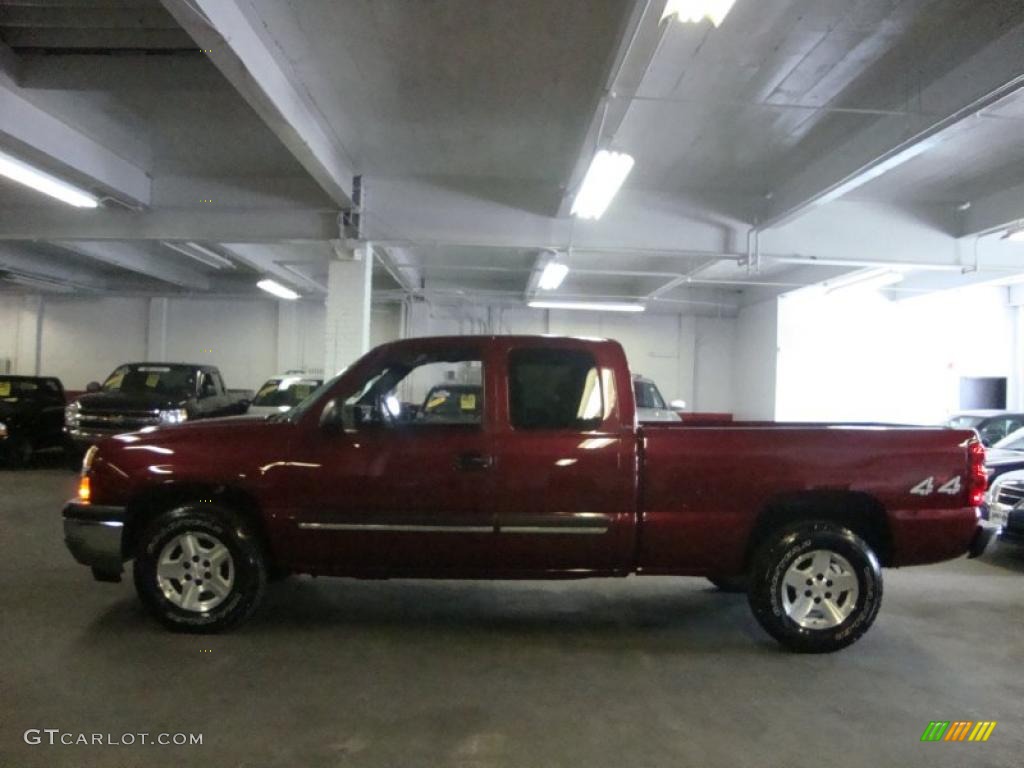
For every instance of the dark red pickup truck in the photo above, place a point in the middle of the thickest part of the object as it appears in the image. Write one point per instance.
(520, 457)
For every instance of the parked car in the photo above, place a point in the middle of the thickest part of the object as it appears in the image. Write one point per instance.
(140, 395)
(31, 417)
(991, 426)
(553, 478)
(1006, 506)
(650, 405)
(1007, 455)
(281, 393)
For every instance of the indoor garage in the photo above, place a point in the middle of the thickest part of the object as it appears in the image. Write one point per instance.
(613, 354)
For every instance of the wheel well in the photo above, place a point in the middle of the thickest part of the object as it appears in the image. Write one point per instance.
(152, 503)
(860, 512)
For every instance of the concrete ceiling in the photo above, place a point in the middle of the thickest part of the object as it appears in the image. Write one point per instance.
(766, 149)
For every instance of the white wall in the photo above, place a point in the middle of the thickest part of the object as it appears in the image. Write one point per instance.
(853, 355)
(754, 361)
(690, 358)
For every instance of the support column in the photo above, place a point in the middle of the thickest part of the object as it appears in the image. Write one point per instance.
(28, 342)
(349, 287)
(156, 331)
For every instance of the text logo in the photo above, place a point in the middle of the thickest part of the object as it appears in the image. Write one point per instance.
(958, 730)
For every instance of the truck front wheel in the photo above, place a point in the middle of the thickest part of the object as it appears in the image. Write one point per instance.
(815, 587)
(198, 568)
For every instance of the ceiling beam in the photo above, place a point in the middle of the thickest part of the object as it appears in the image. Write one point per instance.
(224, 29)
(265, 260)
(10, 64)
(216, 226)
(998, 211)
(24, 261)
(638, 44)
(992, 75)
(130, 257)
(408, 276)
(38, 137)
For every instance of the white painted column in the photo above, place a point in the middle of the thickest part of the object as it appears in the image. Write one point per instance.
(347, 331)
(28, 342)
(156, 330)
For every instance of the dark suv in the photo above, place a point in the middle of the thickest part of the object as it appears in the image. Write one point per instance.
(31, 417)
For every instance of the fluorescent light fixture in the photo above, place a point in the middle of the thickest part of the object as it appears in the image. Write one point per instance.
(202, 254)
(23, 173)
(593, 306)
(272, 286)
(866, 280)
(607, 172)
(1015, 235)
(552, 276)
(696, 10)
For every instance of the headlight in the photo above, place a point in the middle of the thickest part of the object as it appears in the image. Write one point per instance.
(3, 431)
(72, 415)
(175, 416)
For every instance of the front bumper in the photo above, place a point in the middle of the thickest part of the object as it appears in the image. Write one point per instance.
(93, 535)
(83, 438)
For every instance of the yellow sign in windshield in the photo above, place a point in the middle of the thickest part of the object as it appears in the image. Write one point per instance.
(5, 389)
(468, 402)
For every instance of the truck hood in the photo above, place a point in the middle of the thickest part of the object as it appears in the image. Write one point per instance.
(996, 457)
(116, 401)
(14, 406)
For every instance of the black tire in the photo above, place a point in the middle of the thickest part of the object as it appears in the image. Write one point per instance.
(20, 453)
(731, 584)
(204, 521)
(783, 550)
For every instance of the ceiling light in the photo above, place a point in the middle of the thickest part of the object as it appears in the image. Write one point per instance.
(271, 286)
(866, 280)
(593, 306)
(23, 173)
(696, 10)
(608, 170)
(202, 254)
(552, 276)
(1015, 235)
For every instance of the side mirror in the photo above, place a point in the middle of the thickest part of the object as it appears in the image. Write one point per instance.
(93, 386)
(678, 405)
(330, 417)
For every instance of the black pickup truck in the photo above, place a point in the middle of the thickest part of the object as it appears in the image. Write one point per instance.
(31, 416)
(138, 395)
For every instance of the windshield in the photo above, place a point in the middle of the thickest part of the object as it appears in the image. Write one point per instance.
(285, 392)
(1012, 442)
(296, 412)
(647, 395)
(152, 379)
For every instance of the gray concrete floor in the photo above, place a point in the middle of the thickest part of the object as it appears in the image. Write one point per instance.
(635, 672)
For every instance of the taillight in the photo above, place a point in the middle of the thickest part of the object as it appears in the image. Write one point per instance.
(977, 480)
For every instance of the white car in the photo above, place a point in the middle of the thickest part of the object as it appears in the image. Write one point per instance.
(281, 393)
(650, 405)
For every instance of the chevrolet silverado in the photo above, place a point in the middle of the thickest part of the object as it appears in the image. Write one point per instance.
(537, 468)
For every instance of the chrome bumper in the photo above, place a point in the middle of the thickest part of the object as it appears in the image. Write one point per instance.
(93, 535)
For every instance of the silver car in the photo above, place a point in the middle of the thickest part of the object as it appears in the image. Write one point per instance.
(650, 405)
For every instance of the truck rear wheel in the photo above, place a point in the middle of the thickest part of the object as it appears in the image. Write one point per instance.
(815, 587)
(199, 568)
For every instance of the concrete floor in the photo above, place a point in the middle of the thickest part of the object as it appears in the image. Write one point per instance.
(636, 672)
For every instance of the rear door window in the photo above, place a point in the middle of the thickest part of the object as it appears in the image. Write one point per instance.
(554, 389)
